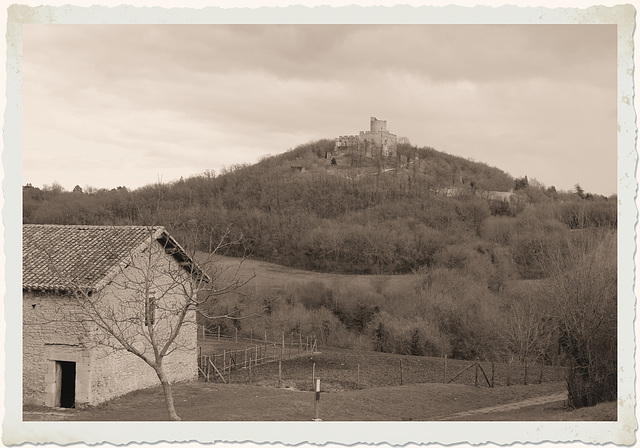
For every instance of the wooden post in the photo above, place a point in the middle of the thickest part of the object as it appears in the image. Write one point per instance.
(265, 335)
(236, 334)
(201, 352)
(245, 357)
(476, 381)
(444, 379)
(224, 360)
(401, 372)
(313, 374)
(300, 346)
(218, 332)
(541, 370)
(256, 358)
(279, 373)
(525, 372)
(207, 372)
(249, 369)
(493, 372)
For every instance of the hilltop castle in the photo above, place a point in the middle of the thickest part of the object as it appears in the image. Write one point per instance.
(376, 138)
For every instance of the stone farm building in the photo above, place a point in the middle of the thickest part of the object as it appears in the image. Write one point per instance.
(376, 137)
(67, 360)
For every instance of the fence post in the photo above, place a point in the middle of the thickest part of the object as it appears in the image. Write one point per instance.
(313, 374)
(525, 372)
(256, 355)
(317, 402)
(279, 373)
(224, 360)
(218, 332)
(476, 381)
(493, 371)
(249, 369)
(444, 379)
(541, 370)
(236, 334)
(300, 342)
(265, 335)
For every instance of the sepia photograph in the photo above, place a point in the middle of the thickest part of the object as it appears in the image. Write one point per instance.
(323, 222)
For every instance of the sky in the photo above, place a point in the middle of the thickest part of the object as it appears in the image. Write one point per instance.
(131, 105)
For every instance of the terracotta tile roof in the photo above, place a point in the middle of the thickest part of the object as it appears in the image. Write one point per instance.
(56, 257)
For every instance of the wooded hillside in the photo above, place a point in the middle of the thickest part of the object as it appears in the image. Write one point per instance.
(415, 209)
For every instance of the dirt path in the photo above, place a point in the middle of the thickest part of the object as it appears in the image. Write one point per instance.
(507, 407)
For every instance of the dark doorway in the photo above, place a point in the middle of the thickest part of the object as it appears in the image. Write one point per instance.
(67, 384)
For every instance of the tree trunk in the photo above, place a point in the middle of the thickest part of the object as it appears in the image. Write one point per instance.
(168, 395)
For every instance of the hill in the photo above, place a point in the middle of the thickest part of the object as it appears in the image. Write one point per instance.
(461, 259)
(417, 208)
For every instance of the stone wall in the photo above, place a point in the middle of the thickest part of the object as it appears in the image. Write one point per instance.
(44, 335)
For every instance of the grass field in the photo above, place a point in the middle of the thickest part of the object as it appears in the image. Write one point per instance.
(200, 401)
(274, 276)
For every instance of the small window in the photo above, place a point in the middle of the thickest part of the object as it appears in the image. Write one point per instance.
(150, 309)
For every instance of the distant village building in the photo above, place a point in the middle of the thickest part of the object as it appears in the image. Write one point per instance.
(376, 138)
(62, 366)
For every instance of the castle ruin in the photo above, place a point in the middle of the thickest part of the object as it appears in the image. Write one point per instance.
(376, 138)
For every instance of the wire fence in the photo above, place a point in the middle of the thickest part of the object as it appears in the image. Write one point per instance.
(216, 362)
(294, 360)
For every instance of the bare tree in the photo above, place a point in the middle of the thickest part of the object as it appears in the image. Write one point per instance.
(582, 292)
(526, 330)
(153, 295)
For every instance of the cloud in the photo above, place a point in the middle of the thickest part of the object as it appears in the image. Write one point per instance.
(170, 96)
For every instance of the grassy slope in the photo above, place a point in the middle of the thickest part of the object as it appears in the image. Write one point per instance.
(209, 401)
(274, 276)
(199, 401)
